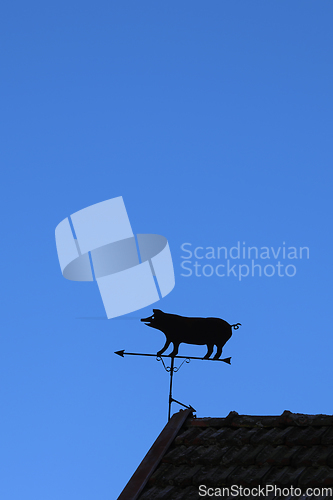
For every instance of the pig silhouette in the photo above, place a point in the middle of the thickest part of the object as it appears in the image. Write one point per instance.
(198, 331)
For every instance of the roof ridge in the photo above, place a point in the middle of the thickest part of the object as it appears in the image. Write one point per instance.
(287, 418)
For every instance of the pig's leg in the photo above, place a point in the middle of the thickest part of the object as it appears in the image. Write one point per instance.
(209, 351)
(164, 348)
(218, 352)
(175, 349)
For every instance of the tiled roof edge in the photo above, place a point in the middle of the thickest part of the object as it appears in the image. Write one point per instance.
(148, 465)
(286, 419)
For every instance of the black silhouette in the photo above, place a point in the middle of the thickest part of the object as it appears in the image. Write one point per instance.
(198, 331)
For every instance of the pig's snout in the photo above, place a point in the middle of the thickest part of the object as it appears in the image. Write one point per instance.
(147, 320)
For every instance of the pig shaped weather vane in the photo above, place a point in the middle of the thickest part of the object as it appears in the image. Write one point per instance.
(181, 329)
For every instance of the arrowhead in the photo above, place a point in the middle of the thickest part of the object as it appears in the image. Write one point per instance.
(120, 353)
(227, 360)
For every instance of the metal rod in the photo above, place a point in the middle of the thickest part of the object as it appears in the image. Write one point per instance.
(171, 370)
(123, 353)
(182, 404)
(170, 391)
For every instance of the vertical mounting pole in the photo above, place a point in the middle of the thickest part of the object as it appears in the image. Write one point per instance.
(170, 391)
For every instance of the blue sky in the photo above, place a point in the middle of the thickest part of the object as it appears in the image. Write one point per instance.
(213, 120)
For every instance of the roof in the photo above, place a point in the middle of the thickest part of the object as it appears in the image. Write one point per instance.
(249, 451)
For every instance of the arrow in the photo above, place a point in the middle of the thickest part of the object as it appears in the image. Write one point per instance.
(123, 353)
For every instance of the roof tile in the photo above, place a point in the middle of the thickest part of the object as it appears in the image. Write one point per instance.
(329, 459)
(307, 436)
(327, 437)
(274, 475)
(247, 454)
(261, 436)
(278, 455)
(314, 456)
(187, 435)
(248, 476)
(290, 477)
(214, 477)
(316, 476)
(168, 476)
(274, 435)
(221, 436)
(280, 436)
(202, 454)
(230, 437)
(185, 477)
(189, 493)
(176, 456)
(166, 493)
(203, 437)
(162, 471)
